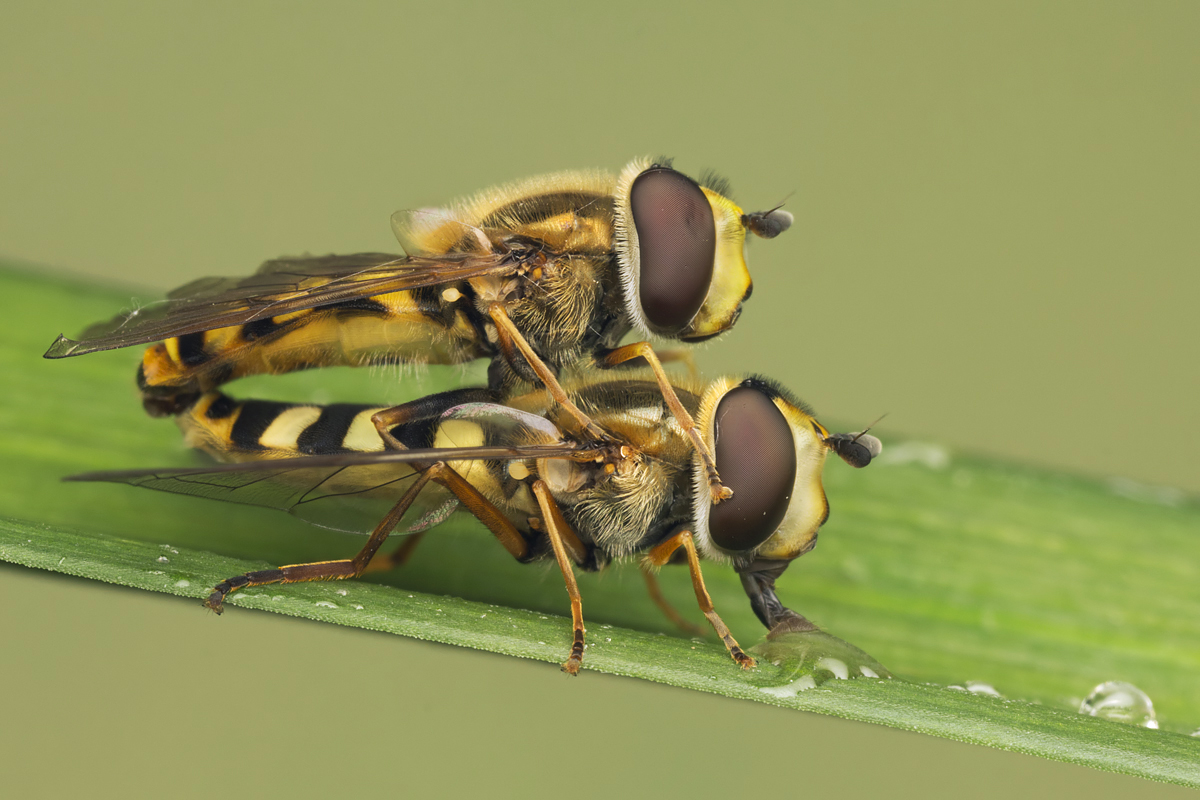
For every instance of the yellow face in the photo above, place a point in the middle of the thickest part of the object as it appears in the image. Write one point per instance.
(808, 508)
(731, 277)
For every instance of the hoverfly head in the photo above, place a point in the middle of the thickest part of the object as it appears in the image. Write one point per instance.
(680, 249)
(770, 455)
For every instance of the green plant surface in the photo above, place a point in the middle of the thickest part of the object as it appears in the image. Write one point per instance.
(945, 568)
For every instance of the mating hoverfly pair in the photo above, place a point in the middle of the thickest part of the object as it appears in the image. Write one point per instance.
(544, 278)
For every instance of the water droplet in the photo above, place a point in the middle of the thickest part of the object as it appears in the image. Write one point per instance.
(978, 687)
(183, 584)
(342, 592)
(607, 640)
(791, 689)
(325, 604)
(163, 560)
(1120, 702)
(814, 655)
(835, 666)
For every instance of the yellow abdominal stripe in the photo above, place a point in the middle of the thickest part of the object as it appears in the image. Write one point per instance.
(461, 433)
(363, 435)
(286, 428)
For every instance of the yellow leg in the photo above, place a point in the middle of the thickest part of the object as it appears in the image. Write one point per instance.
(668, 610)
(510, 337)
(644, 350)
(679, 356)
(559, 533)
(661, 553)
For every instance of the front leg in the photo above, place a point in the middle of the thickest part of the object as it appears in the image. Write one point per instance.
(661, 553)
(644, 350)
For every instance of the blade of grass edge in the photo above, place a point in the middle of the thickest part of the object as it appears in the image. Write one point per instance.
(938, 711)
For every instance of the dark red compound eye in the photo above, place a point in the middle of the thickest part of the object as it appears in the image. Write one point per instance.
(756, 457)
(677, 244)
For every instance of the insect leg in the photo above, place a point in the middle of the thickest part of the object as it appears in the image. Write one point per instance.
(505, 532)
(668, 610)
(661, 553)
(438, 472)
(561, 537)
(679, 355)
(434, 405)
(431, 406)
(511, 337)
(398, 557)
(644, 350)
(322, 570)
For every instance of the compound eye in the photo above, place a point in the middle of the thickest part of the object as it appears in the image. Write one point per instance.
(677, 243)
(756, 457)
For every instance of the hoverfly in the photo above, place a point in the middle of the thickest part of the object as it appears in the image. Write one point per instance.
(537, 276)
(543, 489)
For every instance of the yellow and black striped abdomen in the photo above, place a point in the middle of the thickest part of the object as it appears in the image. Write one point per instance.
(419, 326)
(250, 430)
(259, 430)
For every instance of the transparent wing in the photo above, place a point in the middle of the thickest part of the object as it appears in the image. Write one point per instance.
(345, 492)
(279, 287)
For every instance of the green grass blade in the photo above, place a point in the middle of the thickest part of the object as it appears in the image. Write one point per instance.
(946, 568)
(934, 710)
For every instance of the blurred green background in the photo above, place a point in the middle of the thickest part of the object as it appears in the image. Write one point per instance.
(995, 243)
